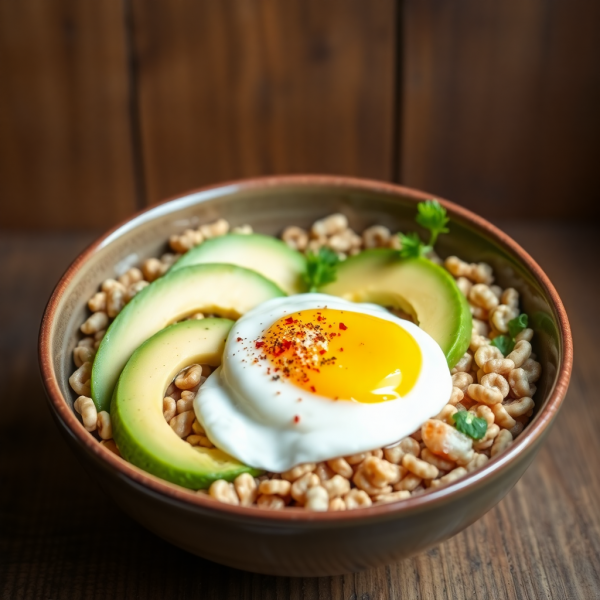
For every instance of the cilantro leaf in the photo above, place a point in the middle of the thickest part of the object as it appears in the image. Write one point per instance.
(432, 215)
(516, 325)
(411, 245)
(469, 424)
(321, 268)
(504, 344)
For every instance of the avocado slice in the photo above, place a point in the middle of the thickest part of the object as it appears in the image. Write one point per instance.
(140, 431)
(265, 254)
(415, 285)
(227, 290)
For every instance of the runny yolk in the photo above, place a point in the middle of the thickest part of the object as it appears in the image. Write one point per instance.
(342, 355)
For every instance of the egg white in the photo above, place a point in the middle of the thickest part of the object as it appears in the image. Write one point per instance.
(252, 417)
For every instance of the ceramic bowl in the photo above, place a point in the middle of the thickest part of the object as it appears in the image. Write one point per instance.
(300, 543)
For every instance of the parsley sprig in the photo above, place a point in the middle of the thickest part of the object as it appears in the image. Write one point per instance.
(469, 424)
(412, 246)
(518, 324)
(321, 268)
(506, 343)
(431, 215)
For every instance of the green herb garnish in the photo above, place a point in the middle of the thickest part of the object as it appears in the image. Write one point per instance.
(504, 344)
(516, 325)
(321, 268)
(469, 424)
(432, 216)
(411, 245)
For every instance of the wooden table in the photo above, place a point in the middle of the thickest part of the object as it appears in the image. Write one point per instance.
(61, 537)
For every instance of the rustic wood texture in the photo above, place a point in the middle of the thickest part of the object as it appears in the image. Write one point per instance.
(61, 537)
(107, 106)
(500, 104)
(247, 87)
(65, 152)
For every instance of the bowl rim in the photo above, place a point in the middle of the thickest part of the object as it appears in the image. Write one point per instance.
(173, 492)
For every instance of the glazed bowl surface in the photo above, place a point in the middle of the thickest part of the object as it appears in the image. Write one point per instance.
(295, 542)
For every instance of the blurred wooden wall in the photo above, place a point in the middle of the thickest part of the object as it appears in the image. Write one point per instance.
(108, 106)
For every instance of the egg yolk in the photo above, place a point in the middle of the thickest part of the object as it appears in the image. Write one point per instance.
(342, 355)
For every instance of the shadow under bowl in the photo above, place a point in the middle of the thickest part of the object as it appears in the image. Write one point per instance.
(295, 542)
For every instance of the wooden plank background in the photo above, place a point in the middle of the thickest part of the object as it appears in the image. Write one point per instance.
(501, 104)
(245, 87)
(65, 143)
(108, 106)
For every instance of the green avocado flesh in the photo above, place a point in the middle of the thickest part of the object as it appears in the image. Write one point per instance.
(140, 431)
(265, 254)
(415, 285)
(226, 290)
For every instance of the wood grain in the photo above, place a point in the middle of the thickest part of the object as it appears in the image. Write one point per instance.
(105, 106)
(65, 152)
(61, 537)
(499, 105)
(246, 87)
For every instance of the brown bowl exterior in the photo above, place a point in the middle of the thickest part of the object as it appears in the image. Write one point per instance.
(295, 542)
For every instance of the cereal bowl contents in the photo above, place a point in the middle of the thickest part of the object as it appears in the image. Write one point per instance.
(325, 370)
(346, 394)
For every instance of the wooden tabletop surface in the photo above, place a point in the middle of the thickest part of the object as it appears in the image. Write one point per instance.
(62, 537)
